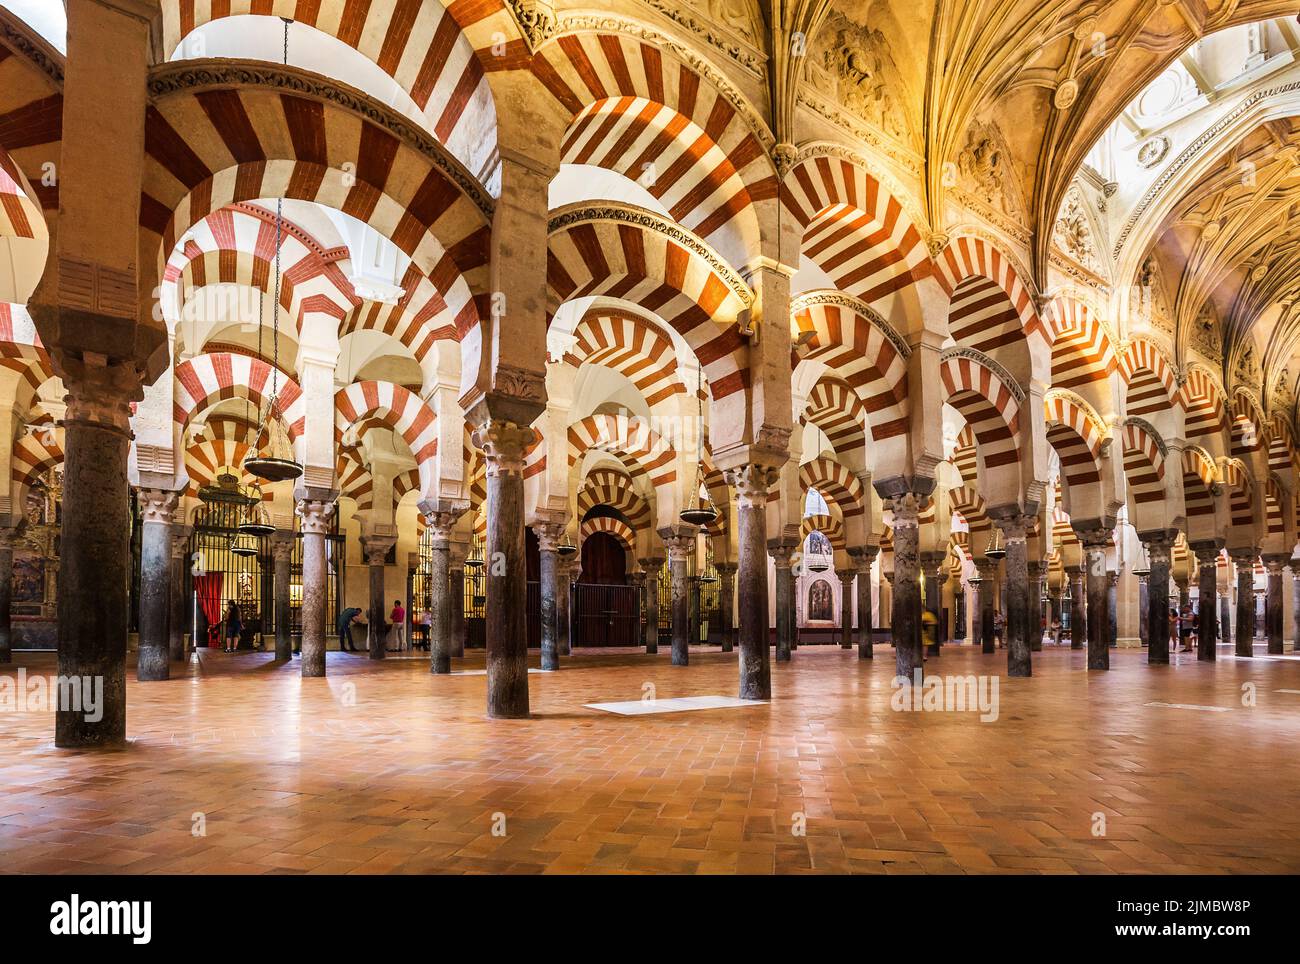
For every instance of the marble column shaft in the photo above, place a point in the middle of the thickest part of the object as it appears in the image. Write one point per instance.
(751, 483)
(157, 508)
(988, 634)
(563, 621)
(1143, 595)
(680, 549)
(1207, 629)
(180, 604)
(1018, 657)
(727, 603)
(549, 537)
(315, 515)
(282, 552)
(1245, 602)
(905, 626)
(1078, 607)
(456, 593)
(1159, 550)
(785, 612)
(652, 568)
(866, 613)
(7, 538)
(1095, 543)
(378, 611)
(1035, 606)
(846, 608)
(1112, 609)
(1274, 612)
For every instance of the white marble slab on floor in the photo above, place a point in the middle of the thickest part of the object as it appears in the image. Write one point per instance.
(679, 704)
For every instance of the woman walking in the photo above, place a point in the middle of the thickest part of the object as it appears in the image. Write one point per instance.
(234, 628)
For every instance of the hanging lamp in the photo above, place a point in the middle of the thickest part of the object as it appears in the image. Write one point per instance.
(273, 461)
(243, 544)
(700, 511)
(1143, 567)
(257, 521)
(566, 548)
(996, 549)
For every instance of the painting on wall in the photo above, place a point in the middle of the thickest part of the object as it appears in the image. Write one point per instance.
(29, 583)
(819, 601)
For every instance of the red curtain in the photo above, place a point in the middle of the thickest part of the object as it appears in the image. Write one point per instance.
(208, 588)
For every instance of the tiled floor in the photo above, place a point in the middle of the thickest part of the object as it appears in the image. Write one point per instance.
(382, 768)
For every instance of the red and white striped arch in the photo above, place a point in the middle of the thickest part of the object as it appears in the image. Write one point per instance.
(207, 380)
(964, 456)
(1076, 438)
(640, 111)
(1275, 502)
(829, 526)
(617, 528)
(1198, 476)
(394, 406)
(989, 408)
(1281, 445)
(236, 246)
(849, 338)
(969, 504)
(222, 448)
(990, 306)
(354, 480)
(1241, 496)
(21, 350)
(836, 409)
(416, 42)
(615, 253)
(1205, 405)
(1149, 377)
(854, 229)
(836, 484)
(31, 128)
(610, 487)
(1081, 350)
(631, 440)
(1247, 425)
(210, 147)
(631, 346)
(419, 319)
(1144, 466)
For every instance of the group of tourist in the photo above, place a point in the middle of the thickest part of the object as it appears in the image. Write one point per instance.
(347, 618)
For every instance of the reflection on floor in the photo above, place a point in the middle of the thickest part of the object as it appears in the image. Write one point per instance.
(383, 767)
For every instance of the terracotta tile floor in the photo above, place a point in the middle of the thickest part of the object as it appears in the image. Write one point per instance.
(383, 768)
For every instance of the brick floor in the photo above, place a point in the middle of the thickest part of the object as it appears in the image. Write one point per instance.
(382, 768)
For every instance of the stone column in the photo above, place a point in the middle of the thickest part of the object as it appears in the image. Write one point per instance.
(1078, 606)
(95, 550)
(751, 483)
(987, 570)
(563, 592)
(1274, 613)
(932, 572)
(549, 536)
(1207, 630)
(282, 552)
(1143, 587)
(785, 614)
(727, 603)
(1225, 618)
(456, 594)
(506, 611)
(866, 614)
(1245, 561)
(157, 508)
(315, 515)
(1017, 569)
(8, 536)
(905, 627)
(375, 548)
(1112, 609)
(637, 581)
(680, 550)
(1036, 570)
(652, 568)
(1159, 550)
(1096, 540)
(1295, 602)
(846, 608)
(180, 619)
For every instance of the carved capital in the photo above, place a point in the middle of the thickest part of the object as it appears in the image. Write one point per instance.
(376, 548)
(158, 506)
(549, 536)
(1207, 551)
(282, 547)
(752, 482)
(781, 553)
(503, 445)
(680, 546)
(442, 519)
(906, 509)
(315, 516)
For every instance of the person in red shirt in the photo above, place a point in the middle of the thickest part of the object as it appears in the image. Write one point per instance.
(398, 618)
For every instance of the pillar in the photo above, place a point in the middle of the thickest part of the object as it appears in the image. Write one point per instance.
(1143, 587)
(781, 554)
(1207, 630)
(987, 570)
(374, 549)
(563, 593)
(727, 603)
(846, 608)
(456, 593)
(315, 515)
(1245, 561)
(1159, 551)
(1112, 609)
(751, 483)
(1095, 543)
(282, 552)
(680, 550)
(652, 568)
(1036, 570)
(1017, 574)
(549, 536)
(180, 619)
(1078, 606)
(1295, 602)
(503, 444)
(866, 614)
(932, 571)
(95, 551)
(905, 627)
(8, 536)
(1274, 613)
(1225, 618)
(157, 507)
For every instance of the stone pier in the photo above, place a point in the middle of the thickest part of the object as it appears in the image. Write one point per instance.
(727, 603)
(1096, 539)
(1014, 529)
(315, 514)
(652, 568)
(1078, 606)
(180, 619)
(1274, 618)
(681, 549)
(905, 628)
(988, 570)
(1207, 630)
(282, 543)
(157, 512)
(863, 559)
(1245, 562)
(549, 537)
(781, 553)
(751, 483)
(1159, 551)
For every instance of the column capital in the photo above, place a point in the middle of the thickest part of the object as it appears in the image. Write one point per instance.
(863, 557)
(1095, 533)
(1294, 566)
(1159, 538)
(99, 391)
(781, 553)
(441, 516)
(906, 508)
(1244, 557)
(727, 569)
(181, 540)
(846, 576)
(637, 579)
(282, 541)
(752, 482)
(376, 547)
(315, 515)
(1015, 525)
(680, 546)
(549, 535)
(158, 505)
(1206, 550)
(651, 563)
(503, 445)
(1275, 561)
